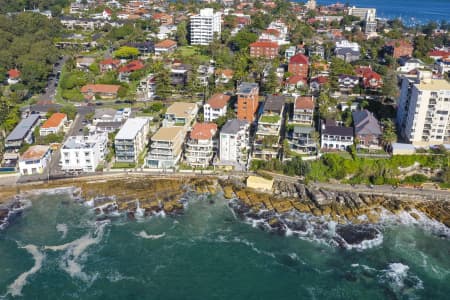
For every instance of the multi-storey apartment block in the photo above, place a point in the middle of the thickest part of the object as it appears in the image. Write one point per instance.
(131, 139)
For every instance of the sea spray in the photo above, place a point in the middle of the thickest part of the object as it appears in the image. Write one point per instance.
(15, 289)
(147, 236)
(63, 229)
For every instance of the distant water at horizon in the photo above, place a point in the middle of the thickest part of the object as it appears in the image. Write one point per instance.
(410, 11)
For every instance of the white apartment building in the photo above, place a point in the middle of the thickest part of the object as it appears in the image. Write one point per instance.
(200, 146)
(180, 114)
(204, 25)
(234, 142)
(131, 139)
(423, 110)
(216, 107)
(83, 153)
(166, 147)
(366, 14)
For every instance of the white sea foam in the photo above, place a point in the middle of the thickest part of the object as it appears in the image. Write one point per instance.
(145, 235)
(15, 289)
(395, 276)
(63, 229)
(116, 276)
(71, 260)
(140, 212)
(252, 246)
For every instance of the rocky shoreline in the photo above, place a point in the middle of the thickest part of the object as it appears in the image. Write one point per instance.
(347, 218)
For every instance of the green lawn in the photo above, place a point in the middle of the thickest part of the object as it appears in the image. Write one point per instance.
(123, 165)
(270, 119)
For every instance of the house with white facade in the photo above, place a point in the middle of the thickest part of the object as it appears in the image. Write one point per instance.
(53, 125)
(83, 153)
(333, 136)
(166, 147)
(34, 160)
(204, 26)
(131, 139)
(200, 147)
(234, 144)
(303, 111)
(216, 107)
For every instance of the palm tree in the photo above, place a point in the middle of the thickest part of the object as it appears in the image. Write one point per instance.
(389, 134)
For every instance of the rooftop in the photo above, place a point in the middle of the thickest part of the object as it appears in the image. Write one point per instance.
(100, 88)
(34, 152)
(218, 100)
(265, 44)
(181, 109)
(54, 121)
(166, 44)
(246, 88)
(131, 128)
(274, 103)
(305, 102)
(203, 131)
(299, 59)
(22, 129)
(435, 84)
(233, 126)
(167, 133)
(82, 142)
(132, 66)
(13, 73)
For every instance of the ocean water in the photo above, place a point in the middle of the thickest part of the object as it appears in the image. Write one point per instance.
(410, 11)
(56, 250)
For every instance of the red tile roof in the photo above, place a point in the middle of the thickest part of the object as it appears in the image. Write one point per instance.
(132, 66)
(296, 79)
(264, 44)
(100, 88)
(218, 100)
(320, 79)
(110, 61)
(166, 44)
(13, 73)
(305, 102)
(225, 72)
(34, 152)
(272, 31)
(54, 121)
(203, 131)
(439, 53)
(299, 59)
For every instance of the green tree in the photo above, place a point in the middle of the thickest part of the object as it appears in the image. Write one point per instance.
(126, 52)
(70, 110)
(182, 34)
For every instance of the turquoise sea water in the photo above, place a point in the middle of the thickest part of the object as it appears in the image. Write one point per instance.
(410, 11)
(56, 250)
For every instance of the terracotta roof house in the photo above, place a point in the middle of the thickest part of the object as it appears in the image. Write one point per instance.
(216, 107)
(316, 83)
(399, 48)
(439, 54)
(224, 76)
(200, 147)
(298, 65)
(109, 64)
(103, 91)
(165, 46)
(13, 76)
(303, 110)
(126, 70)
(34, 160)
(163, 18)
(264, 49)
(295, 82)
(54, 124)
(369, 78)
(367, 129)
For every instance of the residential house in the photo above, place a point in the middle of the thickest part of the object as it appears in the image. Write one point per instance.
(334, 136)
(104, 115)
(367, 129)
(268, 134)
(163, 18)
(264, 49)
(131, 139)
(145, 48)
(126, 70)
(204, 73)
(34, 160)
(443, 66)
(437, 54)
(347, 82)
(399, 48)
(165, 47)
(180, 114)
(299, 65)
(216, 107)
(234, 144)
(302, 139)
(22, 133)
(179, 74)
(83, 153)
(166, 147)
(224, 76)
(303, 111)
(147, 88)
(316, 50)
(100, 91)
(369, 78)
(347, 51)
(289, 52)
(204, 26)
(295, 82)
(410, 64)
(13, 76)
(54, 124)
(200, 147)
(317, 83)
(109, 64)
(84, 62)
(247, 101)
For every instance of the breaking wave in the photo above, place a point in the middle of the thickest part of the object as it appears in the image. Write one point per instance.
(145, 235)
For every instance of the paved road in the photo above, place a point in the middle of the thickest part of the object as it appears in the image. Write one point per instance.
(50, 90)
